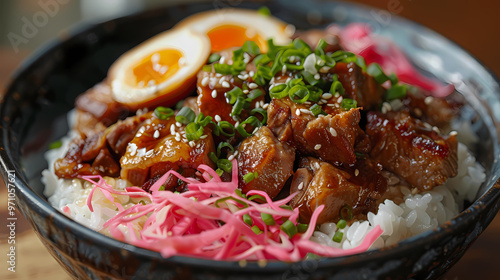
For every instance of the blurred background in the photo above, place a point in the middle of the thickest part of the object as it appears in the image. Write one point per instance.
(26, 25)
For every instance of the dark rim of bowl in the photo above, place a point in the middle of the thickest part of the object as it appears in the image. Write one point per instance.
(41, 206)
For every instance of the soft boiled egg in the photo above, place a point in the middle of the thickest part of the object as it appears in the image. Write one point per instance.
(162, 70)
(231, 27)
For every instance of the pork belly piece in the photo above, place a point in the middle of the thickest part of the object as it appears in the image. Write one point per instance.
(320, 183)
(334, 137)
(99, 103)
(404, 146)
(358, 85)
(154, 148)
(270, 158)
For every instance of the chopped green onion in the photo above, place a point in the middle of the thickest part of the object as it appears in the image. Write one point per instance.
(233, 94)
(289, 228)
(343, 56)
(223, 145)
(225, 165)
(247, 219)
(286, 207)
(245, 205)
(315, 93)
(395, 92)
(253, 121)
(253, 94)
(377, 73)
(311, 256)
(249, 177)
(219, 171)
(264, 11)
(261, 59)
(194, 131)
(346, 212)
(320, 47)
(268, 219)
(316, 110)
(239, 193)
(207, 68)
(179, 105)
(349, 104)
(163, 113)
(55, 145)
(214, 57)
(226, 128)
(337, 86)
(185, 115)
(256, 196)
(279, 91)
(300, 45)
(262, 112)
(337, 237)
(302, 227)
(341, 224)
(213, 157)
(162, 188)
(298, 91)
(224, 69)
(256, 230)
(251, 47)
(142, 202)
(361, 63)
(393, 78)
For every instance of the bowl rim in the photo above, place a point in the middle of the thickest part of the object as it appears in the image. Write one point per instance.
(41, 205)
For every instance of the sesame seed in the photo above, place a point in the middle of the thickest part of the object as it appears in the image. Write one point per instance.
(317, 147)
(324, 101)
(178, 139)
(453, 133)
(172, 129)
(251, 73)
(177, 134)
(297, 112)
(265, 105)
(230, 158)
(178, 124)
(204, 82)
(253, 85)
(156, 134)
(283, 69)
(222, 60)
(203, 136)
(305, 111)
(235, 153)
(214, 93)
(428, 100)
(340, 99)
(198, 145)
(326, 96)
(324, 69)
(336, 95)
(436, 129)
(356, 172)
(255, 130)
(222, 79)
(317, 76)
(217, 118)
(301, 185)
(225, 84)
(316, 165)
(245, 91)
(236, 124)
(333, 131)
(218, 75)
(383, 109)
(191, 144)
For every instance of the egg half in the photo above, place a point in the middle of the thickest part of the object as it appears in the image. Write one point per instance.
(231, 27)
(161, 70)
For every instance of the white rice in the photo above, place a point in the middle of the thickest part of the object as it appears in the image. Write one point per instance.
(418, 213)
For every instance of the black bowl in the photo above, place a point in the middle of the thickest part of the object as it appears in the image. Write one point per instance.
(44, 89)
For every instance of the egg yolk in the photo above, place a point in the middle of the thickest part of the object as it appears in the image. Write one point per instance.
(157, 67)
(227, 36)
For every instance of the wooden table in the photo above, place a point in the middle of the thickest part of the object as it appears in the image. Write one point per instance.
(34, 262)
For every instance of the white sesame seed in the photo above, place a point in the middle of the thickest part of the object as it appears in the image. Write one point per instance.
(245, 91)
(453, 133)
(333, 131)
(156, 134)
(214, 93)
(283, 69)
(205, 81)
(178, 124)
(436, 129)
(230, 158)
(222, 79)
(324, 69)
(324, 101)
(265, 105)
(218, 75)
(301, 185)
(305, 111)
(317, 76)
(226, 84)
(177, 134)
(340, 99)
(172, 129)
(428, 100)
(217, 118)
(203, 136)
(336, 95)
(316, 165)
(222, 60)
(383, 110)
(253, 85)
(257, 105)
(307, 103)
(178, 139)
(198, 145)
(356, 172)
(326, 96)
(317, 147)
(191, 144)
(251, 73)
(255, 130)
(236, 124)
(297, 112)
(235, 153)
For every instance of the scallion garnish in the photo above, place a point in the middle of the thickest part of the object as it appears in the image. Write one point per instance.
(346, 212)
(250, 176)
(336, 86)
(377, 73)
(316, 110)
(289, 228)
(161, 188)
(299, 94)
(268, 219)
(214, 57)
(286, 207)
(226, 128)
(225, 165)
(264, 11)
(239, 193)
(194, 131)
(185, 115)
(247, 219)
(55, 145)
(241, 202)
(257, 196)
(302, 227)
(337, 237)
(395, 92)
(349, 104)
(163, 113)
(253, 121)
(256, 230)
(262, 112)
(341, 224)
(279, 91)
(251, 47)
